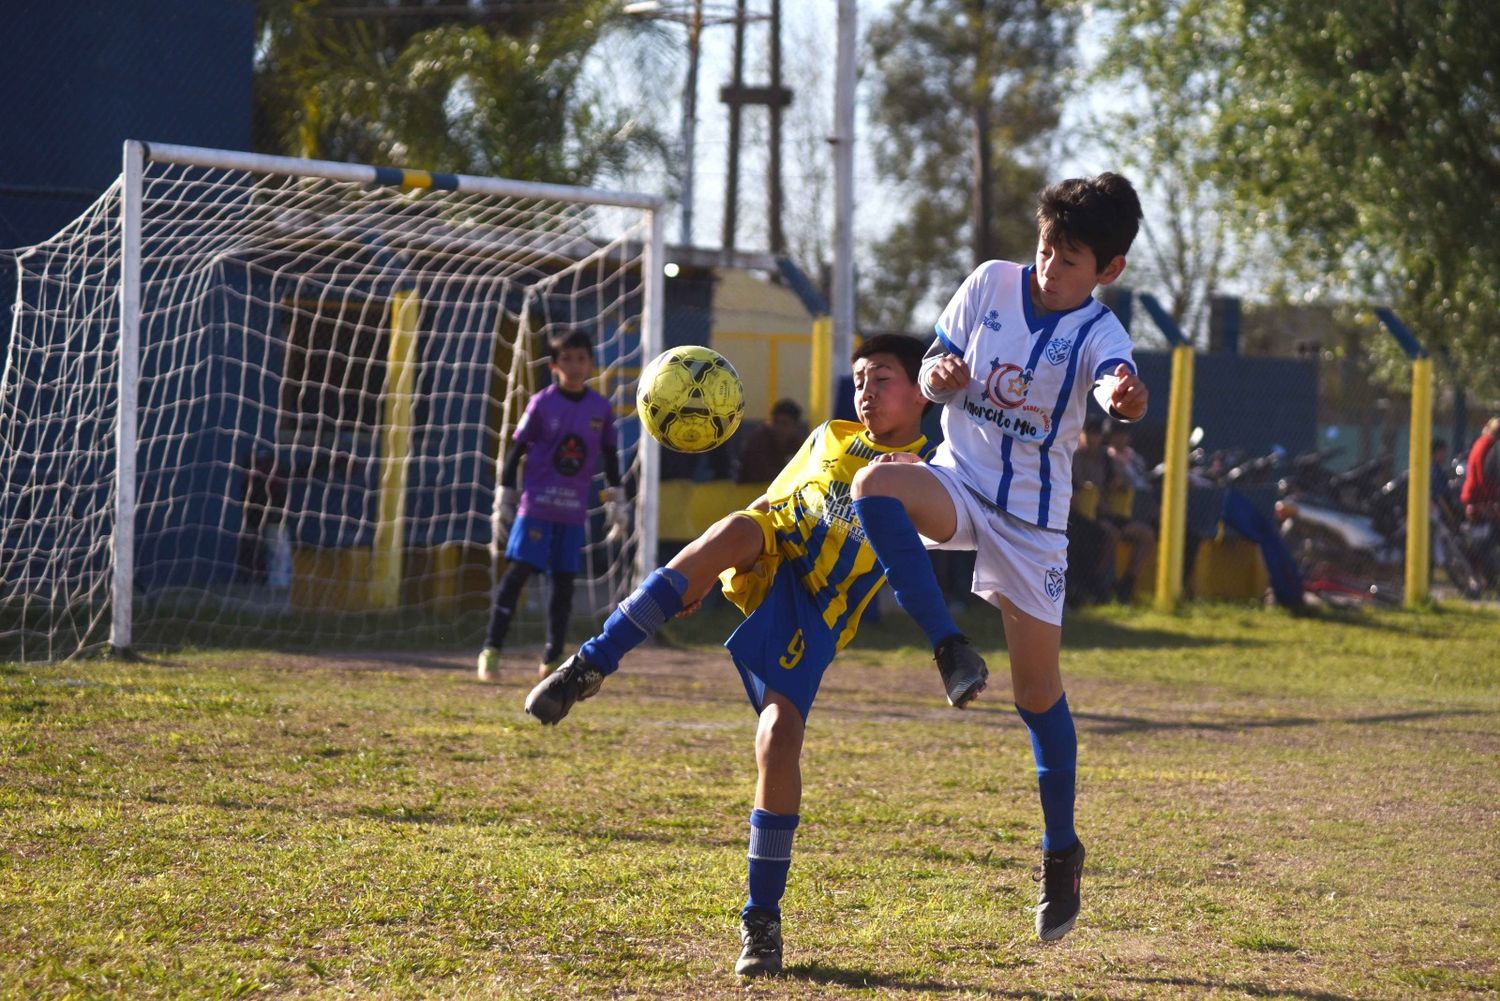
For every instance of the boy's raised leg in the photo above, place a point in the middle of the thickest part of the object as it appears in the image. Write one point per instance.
(735, 541)
(639, 616)
(886, 496)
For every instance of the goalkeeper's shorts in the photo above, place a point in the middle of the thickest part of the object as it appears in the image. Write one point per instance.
(547, 546)
(783, 645)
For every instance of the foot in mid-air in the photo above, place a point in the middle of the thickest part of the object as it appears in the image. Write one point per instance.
(552, 656)
(489, 664)
(760, 931)
(555, 694)
(1062, 881)
(962, 669)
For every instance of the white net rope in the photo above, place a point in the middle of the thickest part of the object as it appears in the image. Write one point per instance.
(329, 373)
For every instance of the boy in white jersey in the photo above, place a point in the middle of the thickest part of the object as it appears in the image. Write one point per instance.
(1018, 350)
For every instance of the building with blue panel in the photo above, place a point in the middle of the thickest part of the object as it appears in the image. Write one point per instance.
(81, 78)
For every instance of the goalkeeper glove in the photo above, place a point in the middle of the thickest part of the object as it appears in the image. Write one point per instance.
(616, 514)
(505, 515)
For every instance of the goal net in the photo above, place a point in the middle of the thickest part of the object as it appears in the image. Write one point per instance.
(259, 401)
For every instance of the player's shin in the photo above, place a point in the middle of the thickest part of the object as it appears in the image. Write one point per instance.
(906, 564)
(559, 610)
(770, 859)
(507, 594)
(1054, 745)
(636, 619)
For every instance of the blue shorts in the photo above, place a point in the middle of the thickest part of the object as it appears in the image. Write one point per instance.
(548, 546)
(783, 644)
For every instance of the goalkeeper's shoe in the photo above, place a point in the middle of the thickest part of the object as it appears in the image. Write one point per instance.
(1062, 882)
(551, 657)
(555, 694)
(489, 664)
(963, 670)
(760, 931)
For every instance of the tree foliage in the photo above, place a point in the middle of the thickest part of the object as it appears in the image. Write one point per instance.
(497, 89)
(965, 92)
(1361, 136)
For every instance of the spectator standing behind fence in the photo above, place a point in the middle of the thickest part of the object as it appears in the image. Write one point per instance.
(1092, 539)
(264, 509)
(1481, 490)
(1127, 504)
(772, 443)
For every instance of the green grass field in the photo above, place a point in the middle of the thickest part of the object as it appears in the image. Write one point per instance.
(1274, 808)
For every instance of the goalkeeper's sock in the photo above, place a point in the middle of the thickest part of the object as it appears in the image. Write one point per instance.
(907, 565)
(637, 619)
(507, 594)
(770, 858)
(1054, 745)
(559, 610)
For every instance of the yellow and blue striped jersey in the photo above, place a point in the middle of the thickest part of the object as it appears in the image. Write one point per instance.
(816, 530)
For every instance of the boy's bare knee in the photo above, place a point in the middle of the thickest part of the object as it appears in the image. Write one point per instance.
(779, 734)
(866, 482)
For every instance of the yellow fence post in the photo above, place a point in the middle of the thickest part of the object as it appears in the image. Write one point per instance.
(820, 388)
(1173, 539)
(1419, 457)
(1418, 484)
(395, 450)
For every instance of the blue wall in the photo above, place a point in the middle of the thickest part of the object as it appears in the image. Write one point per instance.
(81, 77)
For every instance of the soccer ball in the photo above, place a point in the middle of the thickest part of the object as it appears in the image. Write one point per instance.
(690, 399)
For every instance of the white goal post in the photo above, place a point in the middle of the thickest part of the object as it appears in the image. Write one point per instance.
(260, 400)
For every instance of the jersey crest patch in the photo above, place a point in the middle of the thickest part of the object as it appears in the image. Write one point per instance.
(1057, 350)
(1056, 581)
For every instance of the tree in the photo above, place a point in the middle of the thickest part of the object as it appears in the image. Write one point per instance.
(1362, 139)
(486, 88)
(1158, 133)
(966, 90)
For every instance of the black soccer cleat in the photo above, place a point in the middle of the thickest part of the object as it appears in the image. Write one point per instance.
(555, 694)
(963, 670)
(1062, 880)
(760, 931)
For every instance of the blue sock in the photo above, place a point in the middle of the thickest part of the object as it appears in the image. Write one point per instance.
(770, 858)
(907, 565)
(1054, 745)
(637, 619)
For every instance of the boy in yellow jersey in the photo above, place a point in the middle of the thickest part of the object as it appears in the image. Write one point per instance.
(797, 564)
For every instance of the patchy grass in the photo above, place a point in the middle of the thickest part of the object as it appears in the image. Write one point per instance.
(1274, 808)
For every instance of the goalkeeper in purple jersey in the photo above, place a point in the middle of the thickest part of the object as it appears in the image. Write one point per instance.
(566, 431)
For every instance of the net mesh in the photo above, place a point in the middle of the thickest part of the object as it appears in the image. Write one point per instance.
(329, 373)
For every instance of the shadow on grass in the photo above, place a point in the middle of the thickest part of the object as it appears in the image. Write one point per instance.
(1083, 632)
(1241, 987)
(822, 973)
(1113, 724)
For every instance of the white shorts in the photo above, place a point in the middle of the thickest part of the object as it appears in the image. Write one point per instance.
(1013, 558)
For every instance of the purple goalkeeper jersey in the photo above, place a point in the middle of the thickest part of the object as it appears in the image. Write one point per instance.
(563, 440)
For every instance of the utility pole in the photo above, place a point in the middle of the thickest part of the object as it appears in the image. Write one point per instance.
(843, 193)
(775, 97)
(690, 122)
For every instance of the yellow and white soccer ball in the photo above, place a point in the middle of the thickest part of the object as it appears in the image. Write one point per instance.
(690, 398)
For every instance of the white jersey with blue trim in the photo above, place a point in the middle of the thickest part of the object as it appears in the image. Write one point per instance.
(1010, 435)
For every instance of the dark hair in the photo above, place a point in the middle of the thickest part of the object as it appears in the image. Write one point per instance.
(1101, 213)
(1094, 424)
(908, 351)
(788, 407)
(558, 343)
